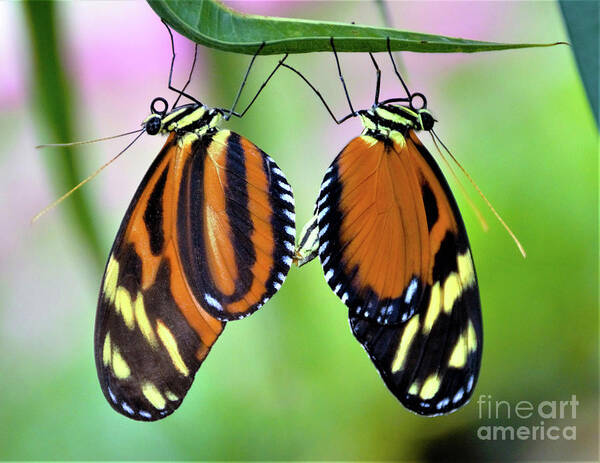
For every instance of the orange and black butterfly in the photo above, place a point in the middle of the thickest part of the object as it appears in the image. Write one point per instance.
(207, 238)
(394, 249)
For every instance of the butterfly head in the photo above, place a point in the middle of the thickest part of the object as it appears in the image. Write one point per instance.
(154, 122)
(390, 120)
(190, 118)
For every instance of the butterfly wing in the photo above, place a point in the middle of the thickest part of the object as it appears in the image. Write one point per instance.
(151, 334)
(237, 248)
(155, 323)
(394, 248)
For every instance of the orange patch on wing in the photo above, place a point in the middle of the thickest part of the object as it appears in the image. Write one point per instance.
(136, 232)
(384, 229)
(262, 237)
(446, 219)
(220, 252)
(207, 327)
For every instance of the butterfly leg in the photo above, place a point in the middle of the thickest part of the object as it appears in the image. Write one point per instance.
(378, 85)
(180, 92)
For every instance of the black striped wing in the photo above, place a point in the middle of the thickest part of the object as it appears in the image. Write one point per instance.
(203, 241)
(394, 248)
(236, 250)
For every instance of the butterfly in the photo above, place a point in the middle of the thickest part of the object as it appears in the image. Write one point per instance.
(393, 247)
(208, 238)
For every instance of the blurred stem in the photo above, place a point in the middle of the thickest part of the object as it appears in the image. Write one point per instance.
(53, 101)
(384, 13)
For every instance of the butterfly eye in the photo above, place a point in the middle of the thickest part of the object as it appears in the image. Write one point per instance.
(153, 124)
(427, 120)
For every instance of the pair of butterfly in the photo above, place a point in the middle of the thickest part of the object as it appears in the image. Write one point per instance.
(209, 237)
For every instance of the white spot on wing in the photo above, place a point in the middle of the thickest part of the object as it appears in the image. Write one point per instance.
(442, 403)
(128, 409)
(145, 414)
(112, 395)
(285, 186)
(323, 247)
(290, 215)
(345, 298)
(287, 260)
(458, 395)
(322, 200)
(410, 291)
(326, 261)
(276, 169)
(287, 198)
(329, 274)
(325, 184)
(276, 285)
(289, 246)
(470, 383)
(323, 212)
(281, 277)
(290, 231)
(337, 288)
(323, 230)
(212, 301)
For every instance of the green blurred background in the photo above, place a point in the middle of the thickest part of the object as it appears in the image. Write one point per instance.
(291, 382)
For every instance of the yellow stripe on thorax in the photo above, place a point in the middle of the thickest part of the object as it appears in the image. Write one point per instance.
(396, 118)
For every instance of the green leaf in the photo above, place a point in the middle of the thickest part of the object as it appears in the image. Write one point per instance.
(212, 24)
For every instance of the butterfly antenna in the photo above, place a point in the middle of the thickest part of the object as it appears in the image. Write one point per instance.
(475, 209)
(510, 232)
(83, 182)
(85, 142)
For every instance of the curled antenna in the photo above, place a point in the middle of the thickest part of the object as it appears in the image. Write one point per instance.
(83, 182)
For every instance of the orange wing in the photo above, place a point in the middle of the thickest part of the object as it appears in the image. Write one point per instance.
(394, 249)
(206, 227)
(236, 245)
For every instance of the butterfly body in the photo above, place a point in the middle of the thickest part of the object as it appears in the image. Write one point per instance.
(394, 248)
(207, 238)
